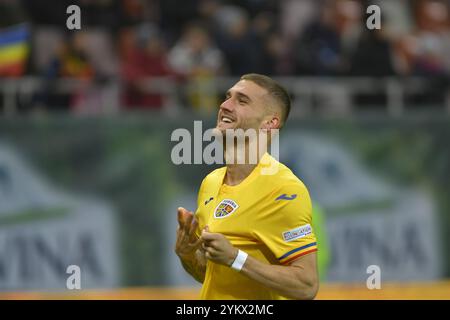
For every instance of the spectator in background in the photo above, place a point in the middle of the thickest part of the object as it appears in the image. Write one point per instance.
(11, 13)
(100, 13)
(199, 60)
(254, 7)
(372, 58)
(433, 39)
(397, 18)
(294, 17)
(426, 52)
(349, 21)
(318, 50)
(144, 57)
(70, 62)
(241, 47)
(372, 55)
(327, 45)
(137, 12)
(269, 44)
(210, 13)
(174, 15)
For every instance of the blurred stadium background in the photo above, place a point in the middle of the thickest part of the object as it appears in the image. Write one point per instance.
(86, 116)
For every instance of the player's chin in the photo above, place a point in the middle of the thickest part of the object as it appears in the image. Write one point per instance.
(223, 127)
(217, 133)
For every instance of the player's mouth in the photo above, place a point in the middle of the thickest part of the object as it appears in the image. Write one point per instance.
(226, 120)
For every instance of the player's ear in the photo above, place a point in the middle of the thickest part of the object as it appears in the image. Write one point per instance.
(272, 123)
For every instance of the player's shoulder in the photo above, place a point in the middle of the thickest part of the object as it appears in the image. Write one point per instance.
(285, 180)
(215, 176)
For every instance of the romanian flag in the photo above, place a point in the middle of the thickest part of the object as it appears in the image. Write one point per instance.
(14, 48)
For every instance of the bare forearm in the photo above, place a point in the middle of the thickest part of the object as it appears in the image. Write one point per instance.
(195, 265)
(291, 281)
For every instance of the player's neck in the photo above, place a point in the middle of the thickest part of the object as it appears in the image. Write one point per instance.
(237, 172)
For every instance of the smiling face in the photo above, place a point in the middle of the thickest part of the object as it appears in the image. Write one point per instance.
(247, 106)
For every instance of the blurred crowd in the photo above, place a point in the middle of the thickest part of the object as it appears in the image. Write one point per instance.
(194, 41)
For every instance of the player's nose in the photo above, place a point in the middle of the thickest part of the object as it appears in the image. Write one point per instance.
(227, 105)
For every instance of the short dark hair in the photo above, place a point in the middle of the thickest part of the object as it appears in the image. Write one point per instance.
(275, 90)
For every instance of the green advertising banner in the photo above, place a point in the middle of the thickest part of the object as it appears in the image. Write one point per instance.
(102, 193)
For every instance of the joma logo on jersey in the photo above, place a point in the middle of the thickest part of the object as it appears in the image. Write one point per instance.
(225, 208)
(284, 196)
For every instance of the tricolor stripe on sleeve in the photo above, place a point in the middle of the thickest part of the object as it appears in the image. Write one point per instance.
(298, 252)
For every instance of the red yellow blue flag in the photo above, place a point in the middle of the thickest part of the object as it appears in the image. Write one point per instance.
(14, 49)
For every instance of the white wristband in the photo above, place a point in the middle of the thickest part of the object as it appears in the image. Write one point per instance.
(239, 261)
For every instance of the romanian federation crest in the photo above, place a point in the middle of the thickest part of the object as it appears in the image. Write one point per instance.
(225, 208)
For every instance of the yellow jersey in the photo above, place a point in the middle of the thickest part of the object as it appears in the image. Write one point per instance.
(266, 215)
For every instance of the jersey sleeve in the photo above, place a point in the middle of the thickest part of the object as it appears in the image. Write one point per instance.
(286, 225)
